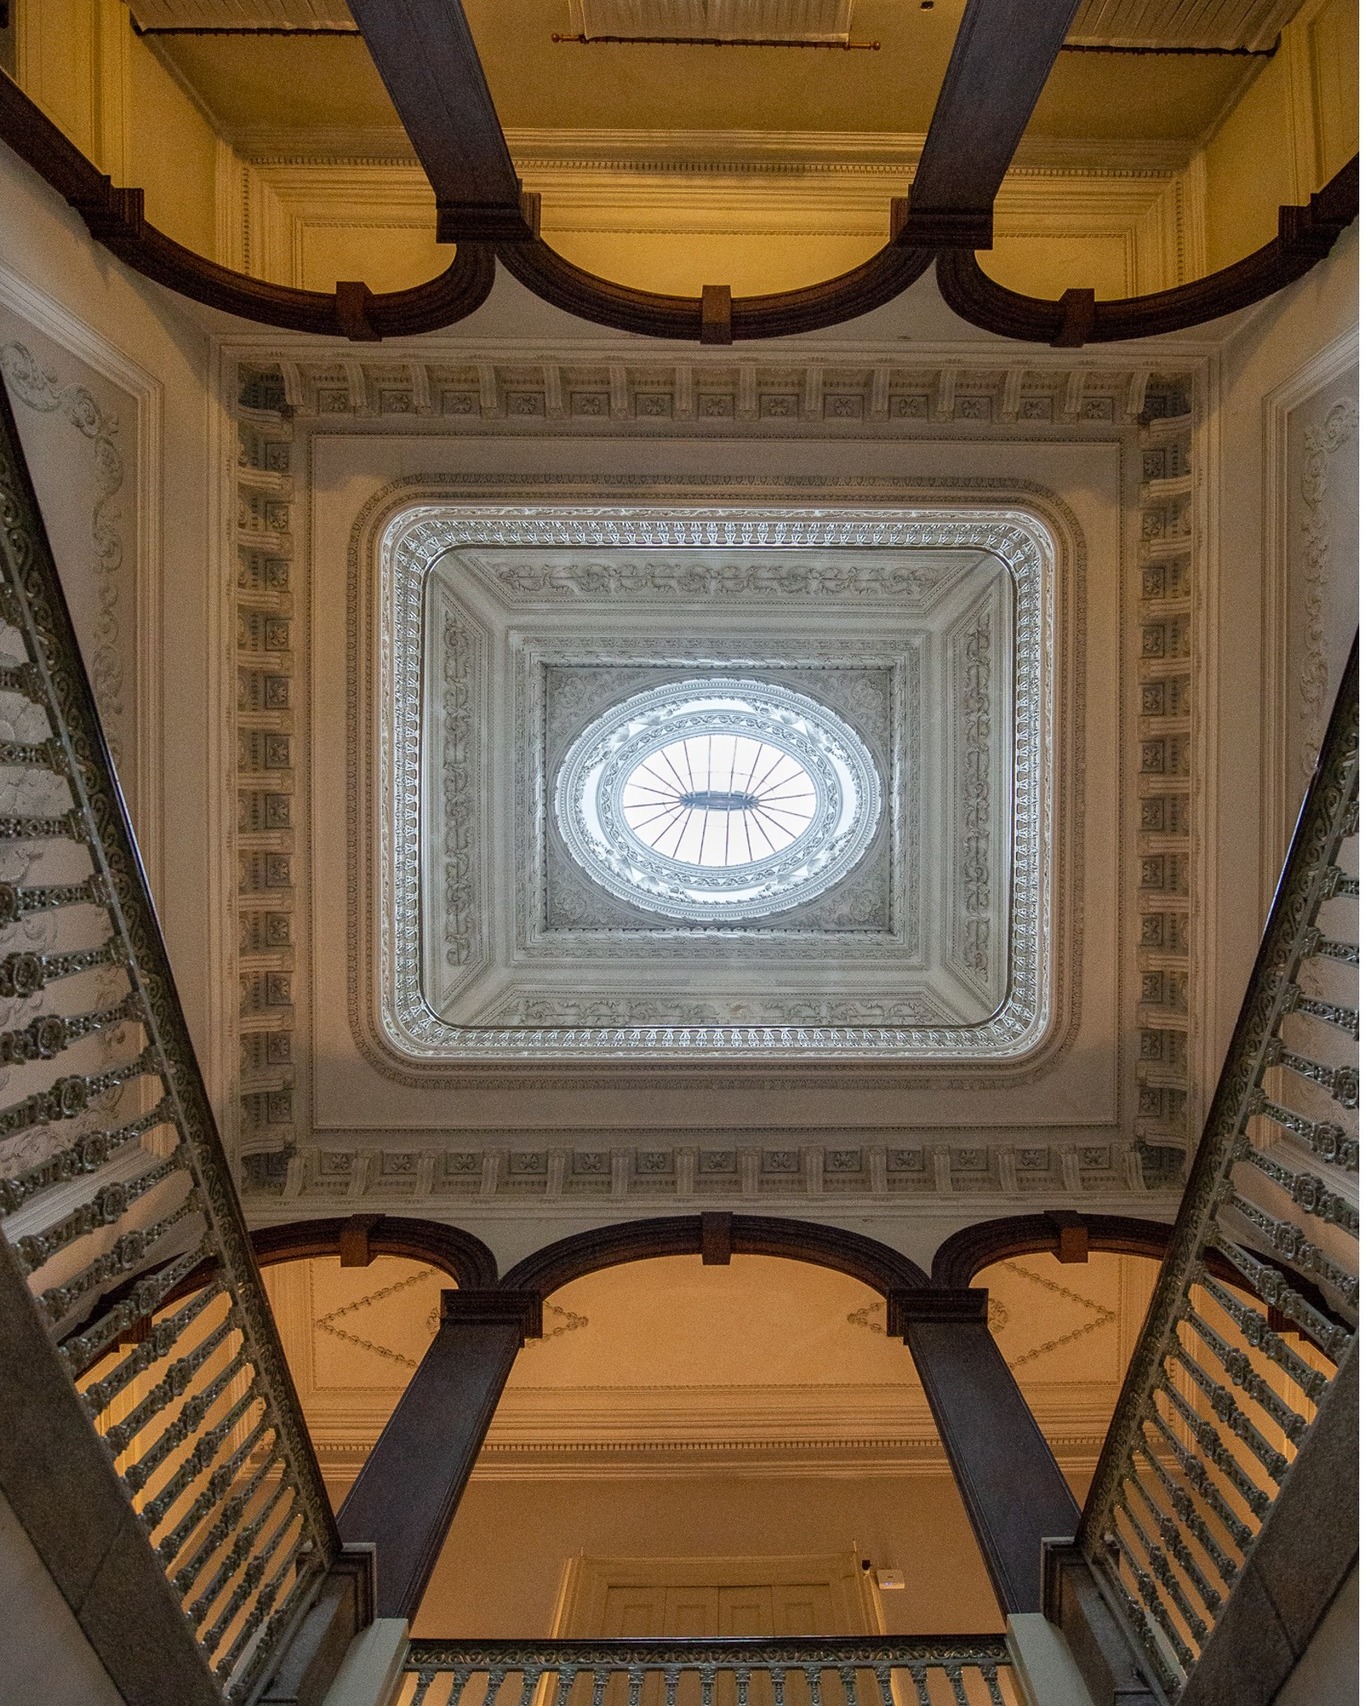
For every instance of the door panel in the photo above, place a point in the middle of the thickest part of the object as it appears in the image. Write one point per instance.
(803, 1608)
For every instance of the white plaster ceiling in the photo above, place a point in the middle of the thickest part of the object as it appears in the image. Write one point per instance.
(506, 633)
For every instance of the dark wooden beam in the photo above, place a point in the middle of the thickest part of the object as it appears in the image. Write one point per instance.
(354, 1245)
(425, 52)
(1001, 58)
(404, 1499)
(717, 1240)
(1015, 1495)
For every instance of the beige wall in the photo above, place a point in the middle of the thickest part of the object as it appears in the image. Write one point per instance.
(501, 1569)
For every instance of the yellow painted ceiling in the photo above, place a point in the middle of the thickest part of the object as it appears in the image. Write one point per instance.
(298, 84)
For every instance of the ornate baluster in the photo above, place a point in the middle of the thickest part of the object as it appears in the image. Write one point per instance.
(211, 1493)
(18, 902)
(1342, 1018)
(237, 1554)
(1237, 1367)
(812, 1673)
(1306, 1190)
(23, 679)
(126, 1255)
(1327, 1140)
(22, 975)
(1234, 1418)
(86, 1155)
(1159, 1556)
(1342, 1083)
(635, 1678)
(919, 1675)
(172, 1385)
(707, 1673)
(47, 754)
(80, 1350)
(1274, 1289)
(72, 1095)
(848, 1678)
(196, 1461)
(106, 1208)
(230, 1515)
(1210, 1442)
(1318, 946)
(1188, 1512)
(566, 1674)
(671, 1674)
(1293, 1245)
(46, 1036)
(1151, 1599)
(953, 1671)
(61, 826)
(991, 1677)
(741, 1686)
(496, 1674)
(160, 1341)
(882, 1672)
(265, 1592)
(192, 1411)
(1262, 1337)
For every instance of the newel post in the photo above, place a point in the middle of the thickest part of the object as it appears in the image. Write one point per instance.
(405, 1497)
(1015, 1495)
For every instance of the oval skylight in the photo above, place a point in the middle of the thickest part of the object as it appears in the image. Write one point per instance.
(718, 800)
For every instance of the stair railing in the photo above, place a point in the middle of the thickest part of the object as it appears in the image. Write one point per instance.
(116, 1201)
(951, 1670)
(1256, 1305)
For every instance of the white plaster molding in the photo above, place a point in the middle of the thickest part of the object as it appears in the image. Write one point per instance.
(48, 316)
(1281, 475)
(419, 536)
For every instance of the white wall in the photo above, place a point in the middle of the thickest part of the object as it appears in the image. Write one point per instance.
(109, 377)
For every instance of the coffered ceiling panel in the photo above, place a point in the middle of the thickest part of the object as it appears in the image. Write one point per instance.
(509, 635)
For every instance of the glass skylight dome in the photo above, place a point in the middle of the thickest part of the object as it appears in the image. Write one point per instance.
(718, 800)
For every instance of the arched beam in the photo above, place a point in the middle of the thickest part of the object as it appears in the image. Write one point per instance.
(716, 1238)
(116, 218)
(1306, 235)
(359, 1238)
(963, 1256)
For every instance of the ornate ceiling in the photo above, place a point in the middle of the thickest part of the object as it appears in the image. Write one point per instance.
(506, 632)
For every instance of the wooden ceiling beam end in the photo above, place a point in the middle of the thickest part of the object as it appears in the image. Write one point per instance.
(425, 53)
(1002, 57)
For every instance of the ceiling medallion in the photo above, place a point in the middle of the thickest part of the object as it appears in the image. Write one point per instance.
(718, 800)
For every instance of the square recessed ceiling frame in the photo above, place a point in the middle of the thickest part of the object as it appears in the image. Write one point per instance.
(421, 845)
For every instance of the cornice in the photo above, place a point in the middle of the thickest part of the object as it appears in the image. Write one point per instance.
(698, 151)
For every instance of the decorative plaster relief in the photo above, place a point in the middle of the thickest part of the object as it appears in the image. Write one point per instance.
(446, 633)
(39, 389)
(899, 1168)
(1329, 532)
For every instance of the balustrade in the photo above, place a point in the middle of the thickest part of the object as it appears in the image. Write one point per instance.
(116, 1205)
(965, 1670)
(1256, 1306)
